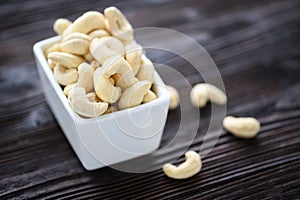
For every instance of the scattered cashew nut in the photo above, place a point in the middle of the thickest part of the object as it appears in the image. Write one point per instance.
(134, 94)
(189, 168)
(242, 127)
(174, 97)
(64, 76)
(81, 104)
(66, 59)
(204, 92)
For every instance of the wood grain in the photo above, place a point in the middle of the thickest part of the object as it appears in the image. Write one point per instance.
(255, 45)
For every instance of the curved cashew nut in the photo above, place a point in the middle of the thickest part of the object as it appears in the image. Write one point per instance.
(60, 25)
(242, 127)
(203, 92)
(86, 23)
(76, 43)
(134, 94)
(66, 59)
(85, 77)
(53, 48)
(174, 97)
(149, 96)
(104, 88)
(69, 88)
(146, 70)
(81, 104)
(98, 34)
(133, 56)
(106, 48)
(65, 76)
(190, 167)
(119, 25)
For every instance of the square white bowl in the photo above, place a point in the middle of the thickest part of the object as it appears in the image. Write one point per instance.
(111, 138)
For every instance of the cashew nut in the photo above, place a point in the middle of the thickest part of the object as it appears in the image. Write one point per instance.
(66, 59)
(204, 92)
(87, 22)
(149, 96)
(60, 25)
(98, 34)
(174, 97)
(133, 56)
(65, 76)
(243, 127)
(119, 25)
(102, 84)
(68, 89)
(146, 70)
(76, 43)
(53, 48)
(189, 168)
(81, 104)
(85, 77)
(134, 94)
(105, 48)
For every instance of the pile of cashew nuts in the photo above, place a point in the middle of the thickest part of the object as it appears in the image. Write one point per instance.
(98, 63)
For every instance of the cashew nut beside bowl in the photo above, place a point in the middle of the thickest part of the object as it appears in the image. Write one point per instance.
(242, 127)
(189, 168)
(174, 97)
(204, 92)
(81, 104)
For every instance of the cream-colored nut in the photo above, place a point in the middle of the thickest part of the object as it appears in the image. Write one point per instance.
(60, 25)
(106, 48)
(95, 64)
(66, 59)
(53, 48)
(149, 96)
(87, 22)
(242, 127)
(88, 57)
(51, 63)
(204, 92)
(81, 104)
(174, 97)
(76, 43)
(111, 109)
(133, 55)
(68, 89)
(65, 76)
(134, 94)
(119, 25)
(98, 34)
(146, 70)
(102, 84)
(189, 168)
(85, 77)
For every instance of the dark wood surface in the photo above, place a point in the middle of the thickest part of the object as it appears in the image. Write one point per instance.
(255, 45)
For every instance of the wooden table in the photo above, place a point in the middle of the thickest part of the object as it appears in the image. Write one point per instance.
(255, 45)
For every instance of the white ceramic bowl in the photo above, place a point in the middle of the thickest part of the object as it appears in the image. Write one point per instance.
(111, 138)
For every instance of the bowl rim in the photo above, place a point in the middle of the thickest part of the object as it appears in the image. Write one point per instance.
(38, 49)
